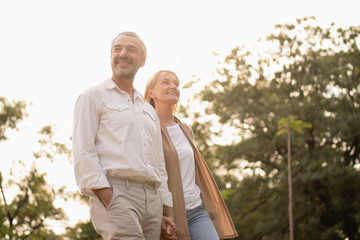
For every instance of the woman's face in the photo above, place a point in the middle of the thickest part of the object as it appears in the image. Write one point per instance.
(166, 89)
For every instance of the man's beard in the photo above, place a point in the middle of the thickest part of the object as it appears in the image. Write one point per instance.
(124, 74)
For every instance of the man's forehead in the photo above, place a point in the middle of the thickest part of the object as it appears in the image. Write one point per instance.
(126, 40)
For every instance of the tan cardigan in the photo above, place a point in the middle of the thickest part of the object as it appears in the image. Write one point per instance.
(210, 194)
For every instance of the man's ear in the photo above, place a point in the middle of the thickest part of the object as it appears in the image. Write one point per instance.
(110, 58)
(143, 63)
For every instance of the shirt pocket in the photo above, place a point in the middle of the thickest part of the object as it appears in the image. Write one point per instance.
(117, 116)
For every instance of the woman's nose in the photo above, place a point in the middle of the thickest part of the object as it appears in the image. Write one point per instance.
(173, 85)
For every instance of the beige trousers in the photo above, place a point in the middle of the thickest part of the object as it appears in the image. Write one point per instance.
(134, 212)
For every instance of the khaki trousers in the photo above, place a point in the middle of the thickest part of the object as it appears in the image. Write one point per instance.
(134, 212)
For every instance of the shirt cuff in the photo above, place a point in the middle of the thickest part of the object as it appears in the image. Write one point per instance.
(167, 199)
(93, 182)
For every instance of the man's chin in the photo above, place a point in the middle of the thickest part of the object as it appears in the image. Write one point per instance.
(125, 74)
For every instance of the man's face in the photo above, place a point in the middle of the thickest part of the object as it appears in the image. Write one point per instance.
(126, 57)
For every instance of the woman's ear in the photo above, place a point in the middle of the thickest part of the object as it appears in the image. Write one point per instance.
(150, 93)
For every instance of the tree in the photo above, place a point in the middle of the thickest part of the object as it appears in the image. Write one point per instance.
(286, 125)
(10, 115)
(26, 215)
(311, 73)
(52, 149)
(82, 230)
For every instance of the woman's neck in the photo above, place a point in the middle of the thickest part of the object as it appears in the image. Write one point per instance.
(165, 115)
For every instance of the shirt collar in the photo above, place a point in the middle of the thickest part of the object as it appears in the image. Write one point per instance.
(138, 95)
(109, 84)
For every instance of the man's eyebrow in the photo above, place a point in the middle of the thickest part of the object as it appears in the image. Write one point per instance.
(128, 46)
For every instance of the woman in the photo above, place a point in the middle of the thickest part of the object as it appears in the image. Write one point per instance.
(199, 209)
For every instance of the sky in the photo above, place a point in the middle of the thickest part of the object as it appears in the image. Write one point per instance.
(51, 51)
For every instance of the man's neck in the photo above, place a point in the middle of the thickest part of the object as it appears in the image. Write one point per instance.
(125, 84)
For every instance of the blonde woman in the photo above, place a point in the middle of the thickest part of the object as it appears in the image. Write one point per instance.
(199, 209)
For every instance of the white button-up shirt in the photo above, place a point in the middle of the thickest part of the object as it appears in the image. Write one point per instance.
(115, 137)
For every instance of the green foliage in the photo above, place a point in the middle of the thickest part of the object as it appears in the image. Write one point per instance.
(10, 115)
(24, 217)
(27, 204)
(51, 148)
(296, 125)
(82, 231)
(26, 214)
(309, 73)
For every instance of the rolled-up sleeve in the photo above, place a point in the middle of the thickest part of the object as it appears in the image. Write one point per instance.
(88, 173)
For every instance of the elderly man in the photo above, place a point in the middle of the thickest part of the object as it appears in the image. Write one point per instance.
(117, 150)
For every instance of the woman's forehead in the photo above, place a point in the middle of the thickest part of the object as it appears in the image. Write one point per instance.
(168, 75)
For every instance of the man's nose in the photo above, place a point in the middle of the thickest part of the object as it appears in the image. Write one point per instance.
(123, 52)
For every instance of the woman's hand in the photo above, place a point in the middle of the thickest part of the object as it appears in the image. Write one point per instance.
(168, 229)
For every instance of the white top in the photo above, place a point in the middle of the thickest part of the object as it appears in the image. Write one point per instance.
(114, 137)
(187, 166)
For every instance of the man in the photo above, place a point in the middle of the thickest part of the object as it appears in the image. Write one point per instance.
(117, 150)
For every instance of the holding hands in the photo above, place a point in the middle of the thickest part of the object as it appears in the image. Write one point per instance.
(168, 229)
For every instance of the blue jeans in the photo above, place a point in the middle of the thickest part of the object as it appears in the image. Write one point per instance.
(200, 224)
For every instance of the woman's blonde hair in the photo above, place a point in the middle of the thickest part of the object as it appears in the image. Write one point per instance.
(151, 84)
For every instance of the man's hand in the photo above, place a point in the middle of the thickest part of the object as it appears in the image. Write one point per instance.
(105, 195)
(168, 227)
